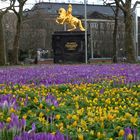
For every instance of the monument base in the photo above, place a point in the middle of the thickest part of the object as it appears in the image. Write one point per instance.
(46, 61)
(100, 60)
(68, 47)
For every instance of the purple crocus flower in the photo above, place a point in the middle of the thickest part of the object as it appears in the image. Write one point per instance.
(7, 101)
(135, 132)
(59, 136)
(40, 136)
(23, 123)
(127, 132)
(5, 105)
(50, 136)
(14, 123)
(1, 125)
(24, 136)
(33, 129)
(102, 91)
(44, 136)
(58, 74)
(18, 138)
(51, 100)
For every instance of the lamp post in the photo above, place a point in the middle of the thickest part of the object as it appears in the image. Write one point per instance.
(85, 2)
(136, 33)
(135, 28)
(5, 49)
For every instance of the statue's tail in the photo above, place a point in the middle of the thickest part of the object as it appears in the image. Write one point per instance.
(81, 26)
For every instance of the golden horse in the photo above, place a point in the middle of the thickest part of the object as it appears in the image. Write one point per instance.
(66, 17)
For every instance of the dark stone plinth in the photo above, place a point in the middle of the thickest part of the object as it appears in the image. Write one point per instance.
(46, 61)
(100, 60)
(69, 47)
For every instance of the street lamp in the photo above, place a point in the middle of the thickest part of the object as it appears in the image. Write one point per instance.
(85, 2)
(135, 28)
(5, 49)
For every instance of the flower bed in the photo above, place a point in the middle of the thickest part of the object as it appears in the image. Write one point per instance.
(60, 74)
(97, 106)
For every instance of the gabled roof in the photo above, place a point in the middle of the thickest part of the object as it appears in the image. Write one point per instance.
(78, 9)
(97, 15)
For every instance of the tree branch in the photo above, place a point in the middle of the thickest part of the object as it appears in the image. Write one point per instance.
(136, 3)
(12, 3)
(14, 10)
(122, 2)
(24, 1)
(121, 6)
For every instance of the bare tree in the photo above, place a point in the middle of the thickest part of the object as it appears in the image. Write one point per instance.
(115, 31)
(2, 60)
(125, 6)
(2, 45)
(19, 14)
(115, 35)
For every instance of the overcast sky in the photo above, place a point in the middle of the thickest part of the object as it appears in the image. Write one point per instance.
(30, 3)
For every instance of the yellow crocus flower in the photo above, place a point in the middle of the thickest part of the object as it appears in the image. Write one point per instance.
(127, 115)
(92, 132)
(24, 116)
(99, 135)
(69, 116)
(52, 107)
(130, 137)
(110, 117)
(80, 112)
(8, 119)
(80, 137)
(74, 124)
(83, 124)
(40, 106)
(90, 114)
(102, 125)
(133, 120)
(12, 110)
(41, 114)
(35, 100)
(121, 133)
(75, 117)
(57, 116)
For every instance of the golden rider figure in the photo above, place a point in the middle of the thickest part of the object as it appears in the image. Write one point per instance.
(66, 17)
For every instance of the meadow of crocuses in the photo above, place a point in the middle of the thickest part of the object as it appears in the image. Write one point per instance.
(70, 102)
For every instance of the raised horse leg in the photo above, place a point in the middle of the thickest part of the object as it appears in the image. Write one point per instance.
(73, 28)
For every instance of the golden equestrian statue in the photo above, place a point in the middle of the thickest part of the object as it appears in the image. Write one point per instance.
(66, 17)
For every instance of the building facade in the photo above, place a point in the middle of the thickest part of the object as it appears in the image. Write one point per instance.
(39, 24)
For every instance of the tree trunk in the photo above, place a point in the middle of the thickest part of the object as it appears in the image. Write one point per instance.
(2, 60)
(18, 29)
(129, 45)
(115, 36)
(15, 54)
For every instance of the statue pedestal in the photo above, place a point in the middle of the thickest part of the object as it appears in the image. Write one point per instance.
(69, 47)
